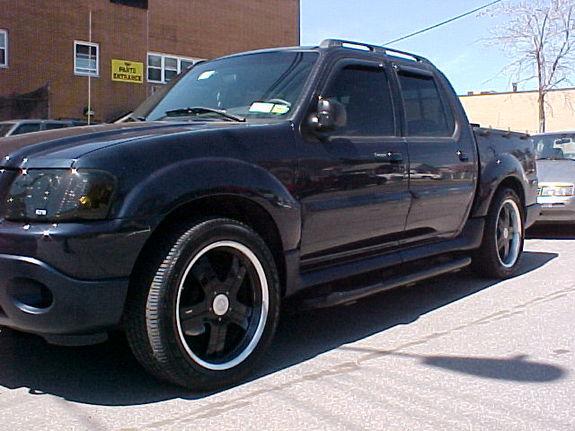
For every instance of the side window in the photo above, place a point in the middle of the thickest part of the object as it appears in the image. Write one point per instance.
(51, 126)
(27, 128)
(426, 113)
(366, 96)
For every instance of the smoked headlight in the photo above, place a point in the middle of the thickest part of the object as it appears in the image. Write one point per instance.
(60, 195)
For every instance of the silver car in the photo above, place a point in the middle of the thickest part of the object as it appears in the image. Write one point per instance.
(19, 127)
(556, 172)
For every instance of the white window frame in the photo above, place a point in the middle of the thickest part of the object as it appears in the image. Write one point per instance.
(90, 44)
(162, 67)
(5, 48)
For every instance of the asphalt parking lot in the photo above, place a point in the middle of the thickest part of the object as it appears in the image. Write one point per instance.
(453, 353)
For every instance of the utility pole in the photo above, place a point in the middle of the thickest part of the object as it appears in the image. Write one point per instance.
(89, 77)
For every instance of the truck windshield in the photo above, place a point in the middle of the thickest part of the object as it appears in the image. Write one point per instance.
(246, 87)
(555, 147)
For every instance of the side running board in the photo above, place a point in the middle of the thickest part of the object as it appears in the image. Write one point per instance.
(342, 297)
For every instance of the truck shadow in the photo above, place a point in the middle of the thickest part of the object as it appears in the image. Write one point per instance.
(109, 375)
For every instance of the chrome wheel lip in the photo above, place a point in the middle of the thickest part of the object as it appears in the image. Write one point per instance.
(238, 359)
(515, 241)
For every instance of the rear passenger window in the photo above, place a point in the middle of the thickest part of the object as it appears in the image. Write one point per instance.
(425, 111)
(51, 126)
(27, 128)
(365, 94)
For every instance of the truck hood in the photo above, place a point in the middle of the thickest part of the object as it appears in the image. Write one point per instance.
(556, 171)
(61, 147)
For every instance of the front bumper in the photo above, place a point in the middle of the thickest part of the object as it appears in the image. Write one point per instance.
(67, 279)
(556, 209)
(532, 214)
(36, 298)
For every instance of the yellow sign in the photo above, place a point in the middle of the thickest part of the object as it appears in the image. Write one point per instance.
(127, 71)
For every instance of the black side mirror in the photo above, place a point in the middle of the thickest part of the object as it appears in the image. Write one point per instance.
(330, 115)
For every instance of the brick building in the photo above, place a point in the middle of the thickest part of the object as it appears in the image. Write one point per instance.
(57, 57)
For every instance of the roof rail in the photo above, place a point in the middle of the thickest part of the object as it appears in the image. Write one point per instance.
(330, 43)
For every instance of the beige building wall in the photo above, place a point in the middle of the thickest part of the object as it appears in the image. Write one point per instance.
(518, 111)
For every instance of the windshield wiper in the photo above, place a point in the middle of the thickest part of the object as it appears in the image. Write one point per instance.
(197, 110)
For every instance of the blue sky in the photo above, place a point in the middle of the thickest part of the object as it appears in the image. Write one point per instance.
(458, 48)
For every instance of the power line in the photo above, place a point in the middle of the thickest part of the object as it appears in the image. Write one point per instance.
(443, 22)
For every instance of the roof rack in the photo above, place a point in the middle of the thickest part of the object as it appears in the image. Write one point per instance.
(330, 43)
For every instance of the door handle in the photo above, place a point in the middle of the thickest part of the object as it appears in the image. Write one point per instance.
(462, 156)
(389, 157)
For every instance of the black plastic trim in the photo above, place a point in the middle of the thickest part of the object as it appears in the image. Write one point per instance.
(79, 306)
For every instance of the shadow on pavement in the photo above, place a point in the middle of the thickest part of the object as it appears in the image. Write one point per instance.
(108, 374)
(514, 369)
(552, 231)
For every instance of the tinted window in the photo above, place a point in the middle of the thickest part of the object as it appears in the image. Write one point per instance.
(27, 128)
(50, 126)
(134, 3)
(366, 96)
(425, 112)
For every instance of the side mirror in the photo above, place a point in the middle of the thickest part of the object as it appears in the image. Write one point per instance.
(330, 115)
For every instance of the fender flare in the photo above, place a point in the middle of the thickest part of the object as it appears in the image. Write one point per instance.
(181, 183)
(492, 175)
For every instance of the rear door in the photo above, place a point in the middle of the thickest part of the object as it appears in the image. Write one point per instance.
(442, 174)
(353, 180)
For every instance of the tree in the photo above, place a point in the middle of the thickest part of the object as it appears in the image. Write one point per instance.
(540, 36)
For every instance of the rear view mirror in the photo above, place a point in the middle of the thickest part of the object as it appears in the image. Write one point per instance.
(330, 115)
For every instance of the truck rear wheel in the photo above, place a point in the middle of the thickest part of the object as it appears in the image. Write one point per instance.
(208, 308)
(503, 237)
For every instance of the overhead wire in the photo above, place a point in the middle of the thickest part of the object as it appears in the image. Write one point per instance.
(455, 18)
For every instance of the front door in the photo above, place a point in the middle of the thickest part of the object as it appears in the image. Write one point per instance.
(353, 180)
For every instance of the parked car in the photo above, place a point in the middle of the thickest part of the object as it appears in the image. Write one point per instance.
(255, 179)
(19, 127)
(556, 167)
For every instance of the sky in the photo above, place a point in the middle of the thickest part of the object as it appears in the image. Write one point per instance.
(458, 49)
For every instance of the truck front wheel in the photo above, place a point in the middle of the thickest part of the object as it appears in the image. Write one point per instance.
(503, 237)
(208, 306)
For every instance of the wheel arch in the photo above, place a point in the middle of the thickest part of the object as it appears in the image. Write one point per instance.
(239, 208)
(506, 171)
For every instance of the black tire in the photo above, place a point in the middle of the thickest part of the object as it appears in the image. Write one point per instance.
(197, 315)
(491, 259)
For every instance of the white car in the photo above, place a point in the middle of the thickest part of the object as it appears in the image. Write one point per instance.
(556, 172)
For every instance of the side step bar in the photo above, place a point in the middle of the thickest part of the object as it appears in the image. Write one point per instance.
(342, 297)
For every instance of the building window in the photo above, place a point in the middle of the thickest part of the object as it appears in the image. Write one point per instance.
(163, 67)
(86, 59)
(3, 48)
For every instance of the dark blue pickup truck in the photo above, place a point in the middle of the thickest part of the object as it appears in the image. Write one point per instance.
(320, 175)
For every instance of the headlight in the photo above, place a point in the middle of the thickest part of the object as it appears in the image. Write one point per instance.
(560, 190)
(60, 195)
